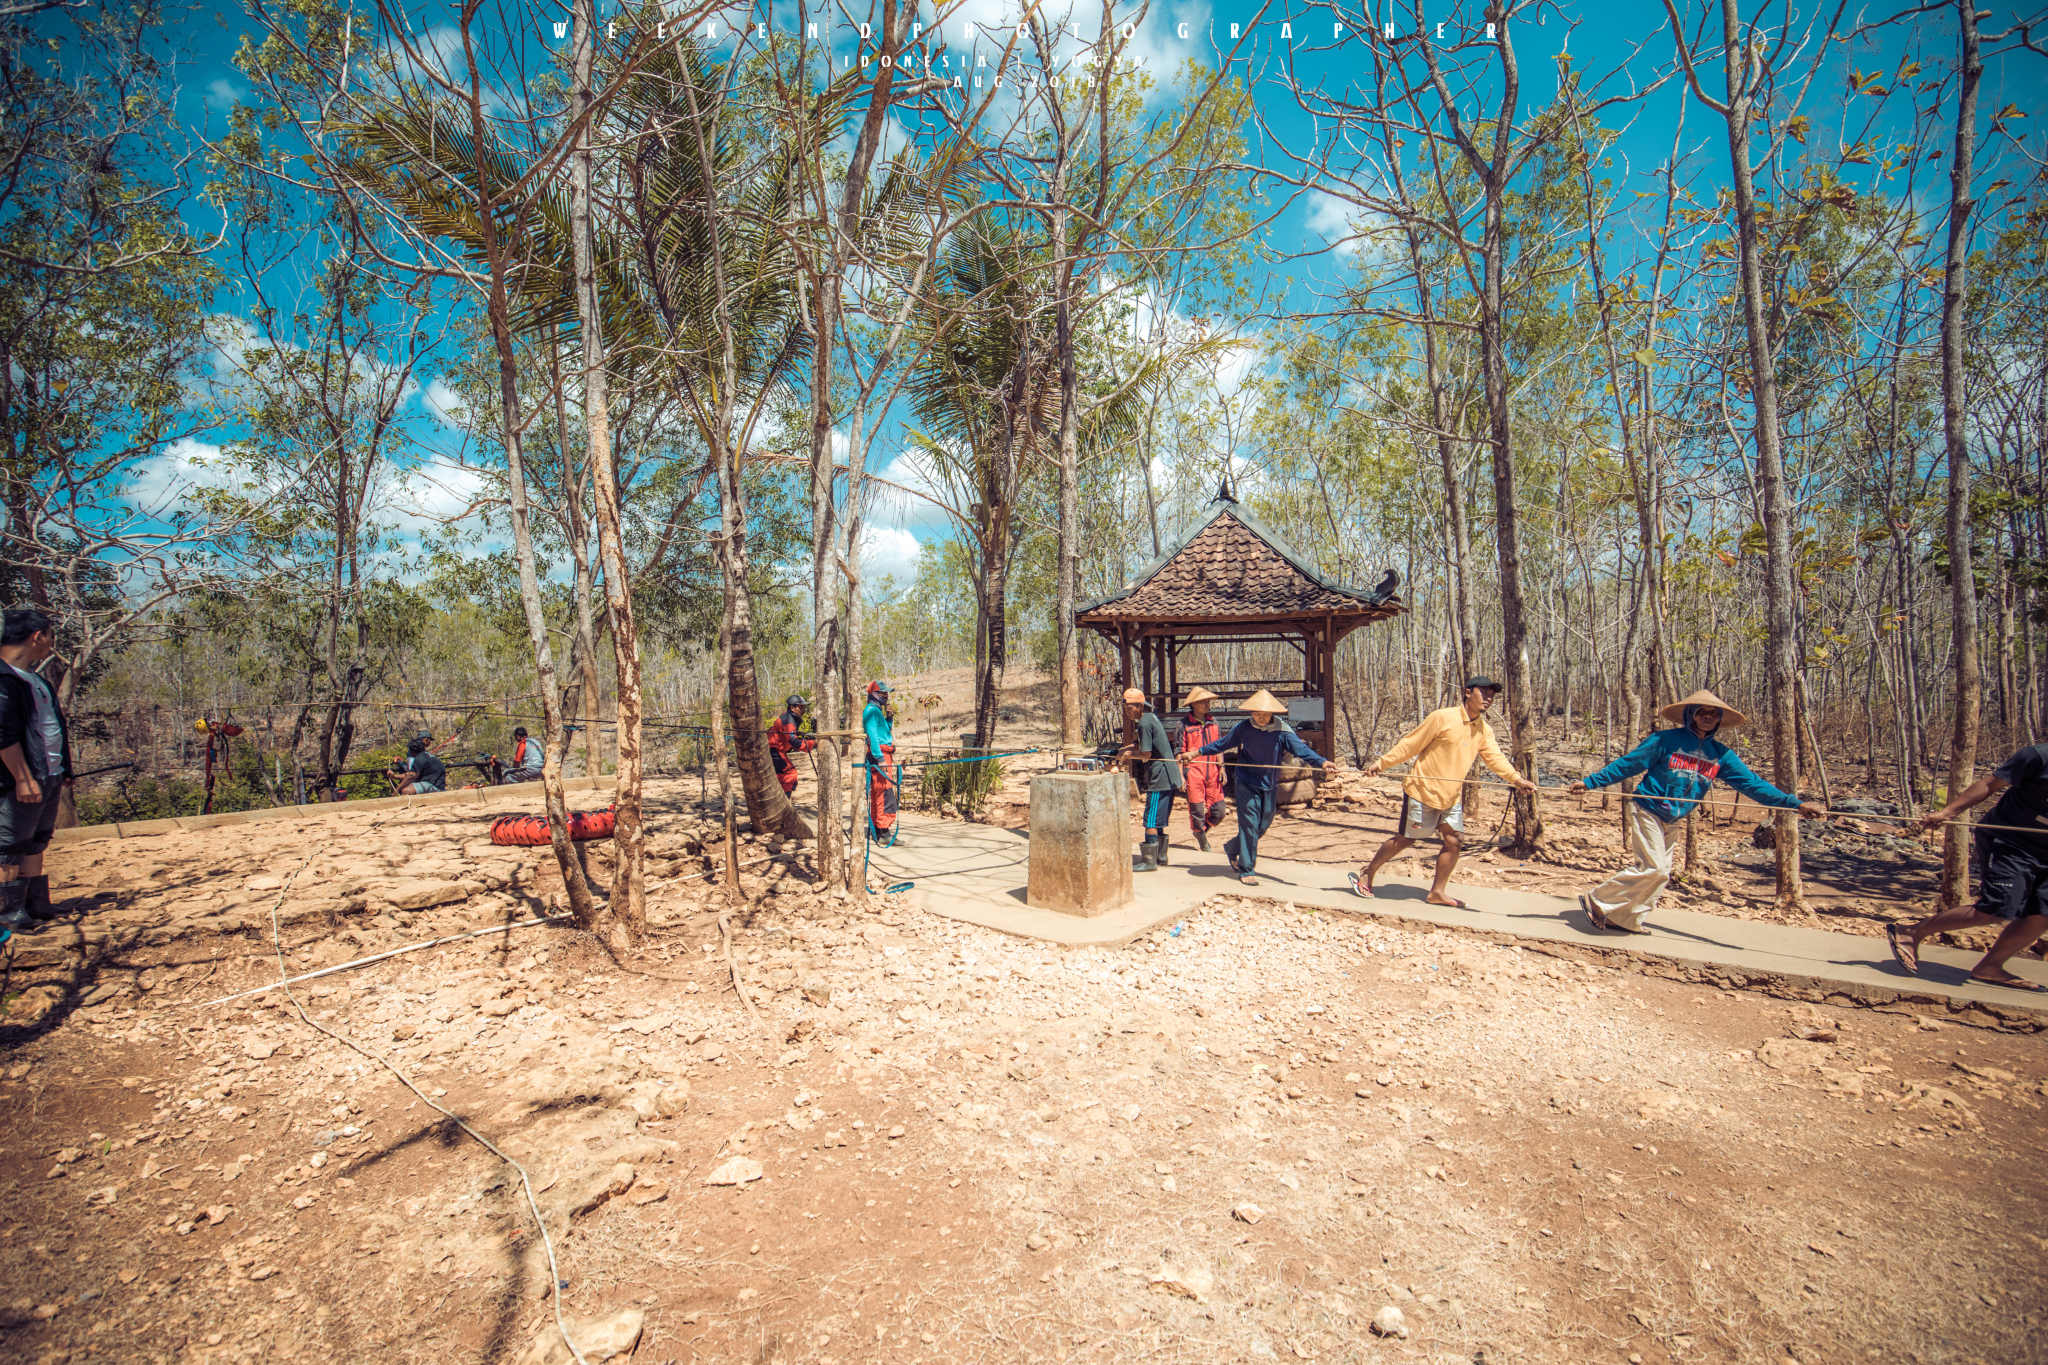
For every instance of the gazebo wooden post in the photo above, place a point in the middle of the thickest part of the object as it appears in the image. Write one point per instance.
(1329, 688)
(1123, 641)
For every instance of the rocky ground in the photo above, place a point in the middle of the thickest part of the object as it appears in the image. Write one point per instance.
(1264, 1133)
(1247, 1137)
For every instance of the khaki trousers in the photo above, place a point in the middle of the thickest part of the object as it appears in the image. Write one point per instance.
(1627, 897)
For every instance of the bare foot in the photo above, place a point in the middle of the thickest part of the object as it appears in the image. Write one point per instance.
(1998, 976)
(1439, 898)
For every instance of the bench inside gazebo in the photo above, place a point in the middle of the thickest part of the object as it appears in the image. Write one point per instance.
(1232, 580)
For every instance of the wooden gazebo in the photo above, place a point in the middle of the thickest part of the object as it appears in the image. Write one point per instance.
(1232, 580)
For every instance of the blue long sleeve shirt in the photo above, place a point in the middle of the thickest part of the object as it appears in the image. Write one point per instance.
(1680, 764)
(1260, 751)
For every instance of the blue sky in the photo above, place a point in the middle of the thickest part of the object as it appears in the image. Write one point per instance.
(1627, 39)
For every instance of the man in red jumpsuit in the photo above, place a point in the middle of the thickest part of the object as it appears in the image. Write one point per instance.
(1204, 775)
(786, 737)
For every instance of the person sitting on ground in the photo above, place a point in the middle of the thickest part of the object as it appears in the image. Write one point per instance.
(527, 757)
(421, 772)
(1205, 775)
(1259, 742)
(1443, 748)
(2010, 865)
(1679, 768)
(786, 736)
(1156, 773)
(35, 763)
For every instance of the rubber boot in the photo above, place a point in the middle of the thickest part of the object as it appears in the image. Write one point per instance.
(14, 915)
(1148, 857)
(38, 905)
(1159, 846)
(1202, 837)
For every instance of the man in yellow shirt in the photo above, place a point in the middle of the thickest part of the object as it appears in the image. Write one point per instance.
(1443, 748)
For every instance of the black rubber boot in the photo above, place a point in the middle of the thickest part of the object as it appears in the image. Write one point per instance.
(1202, 837)
(14, 913)
(1159, 846)
(38, 904)
(1148, 857)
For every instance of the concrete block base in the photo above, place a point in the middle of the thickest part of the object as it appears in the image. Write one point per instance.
(1080, 843)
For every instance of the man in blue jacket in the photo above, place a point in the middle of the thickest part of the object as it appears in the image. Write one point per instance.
(1679, 767)
(1259, 743)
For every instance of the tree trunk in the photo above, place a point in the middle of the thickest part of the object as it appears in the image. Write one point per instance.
(1507, 505)
(628, 901)
(1069, 534)
(1781, 661)
(1962, 753)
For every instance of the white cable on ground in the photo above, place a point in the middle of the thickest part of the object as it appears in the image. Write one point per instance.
(379, 957)
(525, 1184)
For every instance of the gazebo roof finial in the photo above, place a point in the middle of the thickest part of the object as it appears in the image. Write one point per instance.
(1223, 491)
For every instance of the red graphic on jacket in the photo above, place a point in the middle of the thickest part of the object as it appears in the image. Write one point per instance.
(783, 740)
(1706, 767)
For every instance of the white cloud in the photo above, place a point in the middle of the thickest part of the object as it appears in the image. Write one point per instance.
(448, 407)
(441, 489)
(223, 95)
(888, 550)
(180, 466)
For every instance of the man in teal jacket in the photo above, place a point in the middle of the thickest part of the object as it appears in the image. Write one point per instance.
(1679, 767)
(878, 725)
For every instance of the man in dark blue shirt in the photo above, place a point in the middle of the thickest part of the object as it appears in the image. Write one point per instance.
(2011, 864)
(1259, 742)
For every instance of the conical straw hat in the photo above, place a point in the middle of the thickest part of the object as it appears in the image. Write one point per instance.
(1262, 700)
(1200, 694)
(1675, 713)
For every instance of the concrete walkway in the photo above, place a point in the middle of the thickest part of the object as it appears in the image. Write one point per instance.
(977, 873)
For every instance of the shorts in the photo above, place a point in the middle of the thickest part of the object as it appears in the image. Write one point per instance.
(420, 784)
(2012, 882)
(25, 827)
(1419, 821)
(1158, 809)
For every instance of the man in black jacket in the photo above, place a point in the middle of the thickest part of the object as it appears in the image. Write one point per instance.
(35, 762)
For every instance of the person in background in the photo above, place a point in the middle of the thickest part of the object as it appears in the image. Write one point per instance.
(1443, 748)
(1259, 742)
(2011, 867)
(1156, 773)
(877, 724)
(421, 772)
(35, 763)
(1679, 768)
(786, 736)
(1204, 775)
(527, 757)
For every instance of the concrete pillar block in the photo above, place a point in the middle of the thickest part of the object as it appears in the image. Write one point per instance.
(1080, 842)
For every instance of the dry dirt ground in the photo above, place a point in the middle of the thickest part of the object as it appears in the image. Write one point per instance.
(1243, 1138)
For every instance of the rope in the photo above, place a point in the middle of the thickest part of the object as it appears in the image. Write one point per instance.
(525, 1183)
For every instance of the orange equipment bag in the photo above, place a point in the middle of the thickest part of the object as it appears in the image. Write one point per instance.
(531, 831)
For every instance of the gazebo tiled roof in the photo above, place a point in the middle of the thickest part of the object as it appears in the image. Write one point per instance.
(1232, 567)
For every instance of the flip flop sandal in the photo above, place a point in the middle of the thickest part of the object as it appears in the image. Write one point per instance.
(1593, 913)
(2020, 984)
(1248, 879)
(1904, 952)
(1358, 885)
